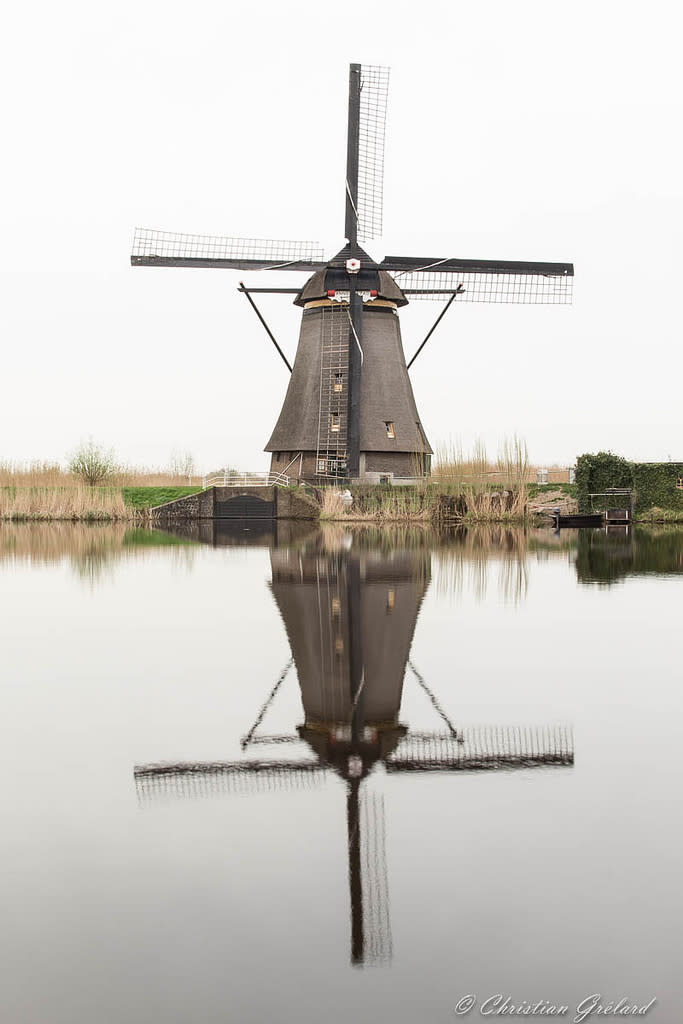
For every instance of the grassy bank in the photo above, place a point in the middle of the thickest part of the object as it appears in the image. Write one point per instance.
(659, 515)
(141, 498)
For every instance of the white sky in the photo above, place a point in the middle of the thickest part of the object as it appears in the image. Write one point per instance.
(529, 131)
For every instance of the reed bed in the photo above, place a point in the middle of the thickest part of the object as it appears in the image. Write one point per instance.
(51, 474)
(75, 503)
(468, 488)
(492, 489)
(377, 505)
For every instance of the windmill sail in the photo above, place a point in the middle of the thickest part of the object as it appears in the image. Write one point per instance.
(374, 89)
(193, 780)
(169, 248)
(376, 920)
(493, 281)
(482, 747)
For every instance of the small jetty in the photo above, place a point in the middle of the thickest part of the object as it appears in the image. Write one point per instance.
(606, 516)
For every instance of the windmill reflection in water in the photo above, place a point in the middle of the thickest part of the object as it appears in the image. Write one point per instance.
(350, 615)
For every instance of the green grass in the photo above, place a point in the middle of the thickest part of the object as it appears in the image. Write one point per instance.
(659, 515)
(148, 497)
(534, 489)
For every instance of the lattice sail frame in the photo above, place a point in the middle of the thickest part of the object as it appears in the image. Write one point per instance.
(485, 746)
(529, 289)
(378, 946)
(174, 245)
(374, 90)
(194, 780)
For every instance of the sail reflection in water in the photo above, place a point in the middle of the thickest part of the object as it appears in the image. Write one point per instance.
(350, 611)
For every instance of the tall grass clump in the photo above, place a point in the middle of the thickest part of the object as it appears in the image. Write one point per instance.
(376, 504)
(332, 505)
(489, 489)
(77, 503)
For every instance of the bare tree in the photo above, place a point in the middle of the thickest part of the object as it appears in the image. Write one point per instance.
(183, 464)
(92, 462)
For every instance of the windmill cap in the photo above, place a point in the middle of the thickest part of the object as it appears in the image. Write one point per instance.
(337, 279)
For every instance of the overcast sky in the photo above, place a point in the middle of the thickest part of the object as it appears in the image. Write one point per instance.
(530, 131)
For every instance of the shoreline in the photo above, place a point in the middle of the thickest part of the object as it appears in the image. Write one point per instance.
(433, 505)
(142, 518)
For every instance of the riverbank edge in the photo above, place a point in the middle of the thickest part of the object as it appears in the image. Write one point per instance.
(143, 518)
(383, 506)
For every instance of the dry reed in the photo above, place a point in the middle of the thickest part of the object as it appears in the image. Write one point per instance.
(492, 490)
(58, 502)
(51, 474)
(385, 505)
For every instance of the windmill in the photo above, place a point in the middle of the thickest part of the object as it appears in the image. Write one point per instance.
(349, 411)
(350, 615)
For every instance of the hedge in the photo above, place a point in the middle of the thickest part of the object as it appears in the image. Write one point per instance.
(654, 483)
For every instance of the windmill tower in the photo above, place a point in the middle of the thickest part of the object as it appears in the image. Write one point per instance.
(351, 666)
(349, 411)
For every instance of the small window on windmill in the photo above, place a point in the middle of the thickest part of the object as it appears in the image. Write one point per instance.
(339, 645)
(338, 381)
(322, 466)
(334, 422)
(391, 600)
(679, 483)
(390, 428)
(336, 606)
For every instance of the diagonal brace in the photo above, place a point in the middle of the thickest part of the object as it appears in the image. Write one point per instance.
(249, 738)
(268, 331)
(451, 728)
(436, 323)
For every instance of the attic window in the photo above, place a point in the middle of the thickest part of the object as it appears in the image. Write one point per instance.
(679, 483)
(334, 422)
(390, 428)
(338, 379)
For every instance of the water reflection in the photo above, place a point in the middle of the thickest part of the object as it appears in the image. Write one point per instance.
(610, 555)
(463, 560)
(350, 602)
(92, 550)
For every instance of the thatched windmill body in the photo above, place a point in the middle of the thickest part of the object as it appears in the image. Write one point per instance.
(349, 411)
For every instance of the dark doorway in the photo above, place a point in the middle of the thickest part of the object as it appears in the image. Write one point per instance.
(245, 506)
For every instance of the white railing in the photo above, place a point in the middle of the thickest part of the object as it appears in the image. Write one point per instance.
(229, 478)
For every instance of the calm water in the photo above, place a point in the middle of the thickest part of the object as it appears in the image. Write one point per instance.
(337, 776)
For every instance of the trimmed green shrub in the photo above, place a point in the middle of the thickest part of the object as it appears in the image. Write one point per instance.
(655, 484)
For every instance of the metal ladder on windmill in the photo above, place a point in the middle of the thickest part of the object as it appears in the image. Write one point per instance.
(331, 447)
